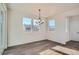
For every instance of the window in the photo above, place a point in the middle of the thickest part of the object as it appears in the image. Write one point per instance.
(30, 25)
(36, 26)
(27, 22)
(51, 25)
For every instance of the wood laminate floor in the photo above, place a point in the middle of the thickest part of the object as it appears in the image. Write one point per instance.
(36, 47)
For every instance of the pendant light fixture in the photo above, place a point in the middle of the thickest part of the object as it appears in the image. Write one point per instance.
(41, 21)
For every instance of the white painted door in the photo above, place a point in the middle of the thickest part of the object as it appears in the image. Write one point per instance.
(74, 28)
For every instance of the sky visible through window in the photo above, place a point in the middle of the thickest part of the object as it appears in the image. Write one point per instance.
(51, 23)
(27, 21)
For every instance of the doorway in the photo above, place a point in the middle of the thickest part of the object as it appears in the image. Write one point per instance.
(74, 28)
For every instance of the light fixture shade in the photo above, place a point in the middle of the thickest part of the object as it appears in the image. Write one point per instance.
(40, 22)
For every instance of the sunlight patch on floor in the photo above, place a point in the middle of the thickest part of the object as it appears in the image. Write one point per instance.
(66, 50)
(49, 52)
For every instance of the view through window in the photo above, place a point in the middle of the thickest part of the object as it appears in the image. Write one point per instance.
(51, 25)
(30, 24)
(27, 22)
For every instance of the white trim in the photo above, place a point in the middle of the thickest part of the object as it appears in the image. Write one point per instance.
(4, 25)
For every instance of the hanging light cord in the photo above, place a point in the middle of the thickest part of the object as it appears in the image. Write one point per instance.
(40, 21)
(39, 14)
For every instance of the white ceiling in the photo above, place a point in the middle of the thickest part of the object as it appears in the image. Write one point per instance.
(47, 9)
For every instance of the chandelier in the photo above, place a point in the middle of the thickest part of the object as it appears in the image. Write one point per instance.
(40, 21)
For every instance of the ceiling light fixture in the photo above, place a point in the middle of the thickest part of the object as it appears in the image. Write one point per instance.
(40, 18)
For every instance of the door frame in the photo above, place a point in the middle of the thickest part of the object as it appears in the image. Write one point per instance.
(4, 35)
(70, 17)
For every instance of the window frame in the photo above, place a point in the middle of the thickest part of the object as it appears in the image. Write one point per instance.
(49, 27)
(32, 20)
(24, 26)
(33, 25)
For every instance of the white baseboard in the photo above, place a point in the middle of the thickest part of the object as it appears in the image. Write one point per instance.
(59, 41)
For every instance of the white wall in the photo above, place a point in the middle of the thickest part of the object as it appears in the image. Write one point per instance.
(61, 34)
(16, 33)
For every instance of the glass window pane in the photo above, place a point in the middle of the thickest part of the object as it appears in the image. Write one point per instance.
(27, 22)
(51, 25)
(36, 26)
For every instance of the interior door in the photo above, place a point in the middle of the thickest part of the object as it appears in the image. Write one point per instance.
(74, 28)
